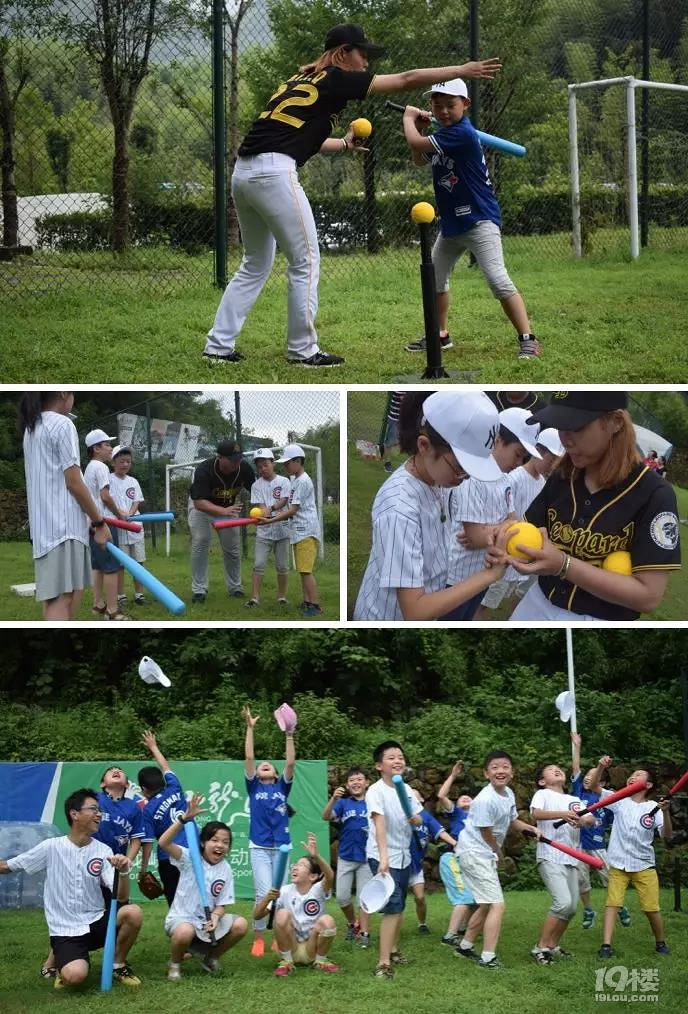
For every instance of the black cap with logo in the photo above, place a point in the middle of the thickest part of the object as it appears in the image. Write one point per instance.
(353, 36)
(572, 410)
(228, 449)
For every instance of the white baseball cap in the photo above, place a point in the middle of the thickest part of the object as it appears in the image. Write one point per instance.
(263, 452)
(150, 672)
(120, 449)
(456, 87)
(565, 704)
(515, 421)
(97, 437)
(549, 438)
(291, 451)
(469, 422)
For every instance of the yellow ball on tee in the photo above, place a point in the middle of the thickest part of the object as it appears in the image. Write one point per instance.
(525, 534)
(619, 562)
(256, 512)
(422, 213)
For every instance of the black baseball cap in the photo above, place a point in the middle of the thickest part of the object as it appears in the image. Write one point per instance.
(228, 449)
(354, 36)
(572, 410)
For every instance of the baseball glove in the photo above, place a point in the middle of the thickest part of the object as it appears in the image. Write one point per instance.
(150, 886)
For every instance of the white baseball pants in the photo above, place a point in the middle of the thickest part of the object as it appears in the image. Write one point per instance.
(272, 209)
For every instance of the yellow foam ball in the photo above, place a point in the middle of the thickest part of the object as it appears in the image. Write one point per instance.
(525, 534)
(422, 213)
(619, 562)
(362, 127)
(256, 512)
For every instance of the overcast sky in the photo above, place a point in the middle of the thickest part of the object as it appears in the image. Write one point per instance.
(271, 413)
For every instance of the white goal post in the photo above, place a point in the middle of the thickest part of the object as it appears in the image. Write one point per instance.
(178, 466)
(629, 84)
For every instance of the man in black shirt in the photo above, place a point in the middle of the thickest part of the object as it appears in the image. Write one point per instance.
(216, 493)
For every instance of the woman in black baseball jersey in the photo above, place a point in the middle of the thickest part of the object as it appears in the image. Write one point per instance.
(270, 203)
(611, 531)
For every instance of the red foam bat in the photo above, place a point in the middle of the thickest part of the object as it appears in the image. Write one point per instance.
(628, 790)
(676, 787)
(235, 522)
(593, 861)
(129, 526)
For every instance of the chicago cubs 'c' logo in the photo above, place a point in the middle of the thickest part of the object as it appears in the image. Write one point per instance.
(312, 907)
(130, 493)
(95, 866)
(664, 530)
(647, 821)
(216, 888)
(574, 806)
(277, 493)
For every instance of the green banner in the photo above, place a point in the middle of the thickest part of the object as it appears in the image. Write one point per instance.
(222, 783)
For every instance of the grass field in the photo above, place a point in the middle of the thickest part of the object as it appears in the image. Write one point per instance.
(16, 566)
(602, 320)
(435, 980)
(365, 478)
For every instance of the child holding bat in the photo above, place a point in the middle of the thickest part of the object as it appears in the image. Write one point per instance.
(268, 819)
(186, 923)
(389, 848)
(632, 858)
(303, 930)
(347, 807)
(558, 870)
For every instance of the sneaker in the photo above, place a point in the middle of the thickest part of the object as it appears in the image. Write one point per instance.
(351, 932)
(528, 347)
(319, 359)
(284, 968)
(624, 917)
(238, 594)
(384, 972)
(363, 941)
(466, 952)
(258, 948)
(420, 345)
(174, 973)
(559, 952)
(210, 964)
(282, 602)
(48, 972)
(541, 957)
(423, 928)
(397, 958)
(139, 600)
(121, 599)
(588, 917)
(326, 966)
(453, 939)
(198, 597)
(252, 603)
(388, 467)
(662, 947)
(125, 976)
(605, 951)
(215, 360)
(493, 963)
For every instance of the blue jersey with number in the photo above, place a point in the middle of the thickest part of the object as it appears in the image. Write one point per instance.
(161, 810)
(461, 179)
(352, 814)
(592, 838)
(120, 821)
(269, 817)
(429, 829)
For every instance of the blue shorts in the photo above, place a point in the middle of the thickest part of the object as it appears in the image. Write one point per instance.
(101, 559)
(457, 890)
(397, 903)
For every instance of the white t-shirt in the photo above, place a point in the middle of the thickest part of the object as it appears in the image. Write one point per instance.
(305, 909)
(548, 799)
(489, 809)
(383, 799)
(219, 885)
(97, 476)
(267, 493)
(633, 832)
(72, 898)
(125, 491)
(304, 524)
(54, 514)
(409, 547)
(479, 502)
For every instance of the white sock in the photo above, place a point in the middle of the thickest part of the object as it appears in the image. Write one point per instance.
(174, 964)
(487, 956)
(286, 956)
(466, 945)
(321, 958)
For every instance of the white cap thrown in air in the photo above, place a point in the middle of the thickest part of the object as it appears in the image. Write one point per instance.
(456, 87)
(97, 437)
(515, 421)
(150, 672)
(549, 438)
(291, 451)
(565, 703)
(469, 422)
(263, 452)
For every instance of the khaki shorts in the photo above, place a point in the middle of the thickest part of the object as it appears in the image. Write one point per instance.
(646, 885)
(136, 550)
(65, 569)
(263, 549)
(480, 875)
(301, 954)
(305, 553)
(584, 870)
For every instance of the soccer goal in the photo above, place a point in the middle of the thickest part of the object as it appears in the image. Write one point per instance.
(186, 469)
(605, 127)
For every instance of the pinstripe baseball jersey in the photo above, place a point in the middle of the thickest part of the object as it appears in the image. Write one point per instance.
(125, 491)
(97, 477)
(266, 493)
(633, 832)
(54, 514)
(524, 488)
(219, 886)
(638, 516)
(485, 503)
(305, 523)
(409, 547)
(548, 799)
(72, 898)
(305, 909)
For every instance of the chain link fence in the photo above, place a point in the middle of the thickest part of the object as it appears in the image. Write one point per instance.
(108, 133)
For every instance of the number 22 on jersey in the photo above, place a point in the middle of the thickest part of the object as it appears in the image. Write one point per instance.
(309, 95)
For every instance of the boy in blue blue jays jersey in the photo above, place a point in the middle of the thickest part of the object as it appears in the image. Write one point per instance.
(268, 819)
(591, 788)
(469, 214)
(347, 807)
(429, 828)
(165, 800)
